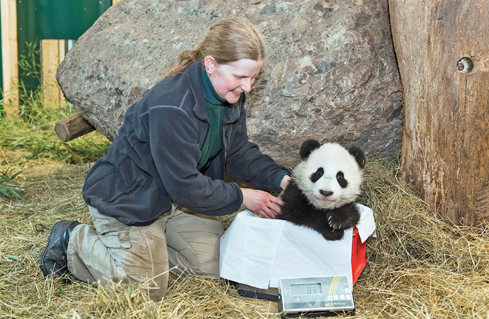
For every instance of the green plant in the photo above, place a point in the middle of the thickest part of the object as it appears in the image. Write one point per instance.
(38, 137)
(31, 98)
(32, 129)
(32, 103)
(29, 61)
(8, 187)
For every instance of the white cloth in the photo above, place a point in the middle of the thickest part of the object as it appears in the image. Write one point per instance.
(258, 252)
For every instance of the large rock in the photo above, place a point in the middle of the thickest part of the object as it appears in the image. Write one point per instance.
(330, 74)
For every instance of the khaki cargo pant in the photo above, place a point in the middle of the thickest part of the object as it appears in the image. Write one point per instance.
(143, 254)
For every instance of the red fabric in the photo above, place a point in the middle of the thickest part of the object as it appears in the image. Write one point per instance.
(358, 260)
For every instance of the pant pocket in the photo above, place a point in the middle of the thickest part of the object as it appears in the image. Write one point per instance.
(112, 232)
(116, 239)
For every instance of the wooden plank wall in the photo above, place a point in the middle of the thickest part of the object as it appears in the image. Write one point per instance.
(9, 54)
(52, 53)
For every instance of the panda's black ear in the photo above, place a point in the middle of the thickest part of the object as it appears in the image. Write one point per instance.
(359, 156)
(307, 147)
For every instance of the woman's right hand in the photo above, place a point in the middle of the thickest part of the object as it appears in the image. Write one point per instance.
(261, 203)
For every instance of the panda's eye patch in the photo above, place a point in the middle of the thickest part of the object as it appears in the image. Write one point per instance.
(340, 177)
(317, 175)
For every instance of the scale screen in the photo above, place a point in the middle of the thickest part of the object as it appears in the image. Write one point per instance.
(303, 289)
(315, 294)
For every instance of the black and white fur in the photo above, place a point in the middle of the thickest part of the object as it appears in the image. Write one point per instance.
(323, 189)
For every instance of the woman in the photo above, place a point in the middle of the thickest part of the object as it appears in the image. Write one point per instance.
(154, 199)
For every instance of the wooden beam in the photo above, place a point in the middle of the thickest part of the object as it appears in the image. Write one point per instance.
(9, 56)
(72, 127)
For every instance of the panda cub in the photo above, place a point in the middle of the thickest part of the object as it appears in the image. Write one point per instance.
(323, 189)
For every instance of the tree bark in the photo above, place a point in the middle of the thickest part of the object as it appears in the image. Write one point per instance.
(445, 146)
(72, 127)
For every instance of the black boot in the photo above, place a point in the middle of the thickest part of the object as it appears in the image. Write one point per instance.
(54, 259)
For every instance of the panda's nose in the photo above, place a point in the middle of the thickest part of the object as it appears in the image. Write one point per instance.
(325, 193)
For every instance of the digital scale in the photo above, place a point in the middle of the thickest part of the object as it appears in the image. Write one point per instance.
(315, 296)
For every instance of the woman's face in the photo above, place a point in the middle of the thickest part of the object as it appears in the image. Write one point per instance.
(232, 79)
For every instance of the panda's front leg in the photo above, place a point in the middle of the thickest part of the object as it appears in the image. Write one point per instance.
(343, 217)
(332, 235)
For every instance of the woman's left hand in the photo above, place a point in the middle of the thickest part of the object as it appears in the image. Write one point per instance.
(261, 203)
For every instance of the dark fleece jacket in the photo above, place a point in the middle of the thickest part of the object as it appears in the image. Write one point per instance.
(153, 161)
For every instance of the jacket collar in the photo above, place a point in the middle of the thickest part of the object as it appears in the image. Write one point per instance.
(194, 73)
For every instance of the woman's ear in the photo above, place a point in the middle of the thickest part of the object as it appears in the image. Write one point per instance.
(210, 64)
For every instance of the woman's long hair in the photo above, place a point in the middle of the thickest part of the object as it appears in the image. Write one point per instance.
(227, 41)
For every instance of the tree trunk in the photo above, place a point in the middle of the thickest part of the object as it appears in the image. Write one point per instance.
(445, 146)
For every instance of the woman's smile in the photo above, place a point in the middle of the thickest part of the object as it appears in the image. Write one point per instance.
(232, 79)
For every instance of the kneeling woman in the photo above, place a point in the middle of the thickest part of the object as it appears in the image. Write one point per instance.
(154, 199)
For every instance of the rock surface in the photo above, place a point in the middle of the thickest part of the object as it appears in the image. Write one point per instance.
(330, 74)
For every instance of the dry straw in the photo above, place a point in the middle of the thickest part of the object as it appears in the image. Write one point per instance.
(419, 266)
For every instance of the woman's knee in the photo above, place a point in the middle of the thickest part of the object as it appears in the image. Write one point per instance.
(131, 255)
(193, 244)
(147, 262)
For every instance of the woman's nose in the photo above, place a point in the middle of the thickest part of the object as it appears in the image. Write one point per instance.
(246, 84)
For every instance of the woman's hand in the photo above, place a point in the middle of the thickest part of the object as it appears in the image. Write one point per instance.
(261, 203)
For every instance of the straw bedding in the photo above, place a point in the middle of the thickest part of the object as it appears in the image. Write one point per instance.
(419, 266)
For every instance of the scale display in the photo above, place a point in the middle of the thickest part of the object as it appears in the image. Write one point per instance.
(315, 294)
(309, 289)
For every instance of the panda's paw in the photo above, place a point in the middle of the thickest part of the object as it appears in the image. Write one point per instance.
(333, 235)
(338, 221)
